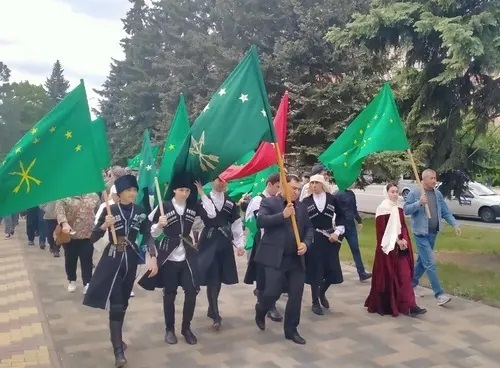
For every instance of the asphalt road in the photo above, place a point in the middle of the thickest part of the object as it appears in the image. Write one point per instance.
(370, 198)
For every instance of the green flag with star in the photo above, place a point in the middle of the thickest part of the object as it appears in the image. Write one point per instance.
(234, 122)
(147, 172)
(173, 144)
(57, 158)
(377, 128)
(258, 187)
(135, 162)
(101, 142)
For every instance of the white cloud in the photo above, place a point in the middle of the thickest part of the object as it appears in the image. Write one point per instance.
(34, 33)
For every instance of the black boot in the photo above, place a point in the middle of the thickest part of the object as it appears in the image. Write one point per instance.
(260, 318)
(188, 334)
(213, 306)
(274, 315)
(169, 314)
(115, 329)
(316, 308)
(322, 295)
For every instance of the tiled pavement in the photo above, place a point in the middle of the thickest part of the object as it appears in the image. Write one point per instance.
(463, 335)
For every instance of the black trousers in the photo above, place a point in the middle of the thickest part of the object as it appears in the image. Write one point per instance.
(82, 249)
(291, 272)
(51, 227)
(173, 275)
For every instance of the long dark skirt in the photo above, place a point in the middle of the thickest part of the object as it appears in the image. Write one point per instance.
(113, 279)
(323, 263)
(216, 260)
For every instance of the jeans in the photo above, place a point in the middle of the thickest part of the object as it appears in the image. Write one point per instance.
(8, 224)
(351, 235)
(36, 223)
(426, 262)
(51, 227)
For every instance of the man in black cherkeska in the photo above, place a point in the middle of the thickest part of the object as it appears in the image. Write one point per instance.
(114, 276)
(217, 242)
(255, 272)
(175, 264)
(322, 259)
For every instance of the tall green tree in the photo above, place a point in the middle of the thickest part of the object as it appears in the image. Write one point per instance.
(21, 106)
(4, 73)
(449, 62)
(56, 85)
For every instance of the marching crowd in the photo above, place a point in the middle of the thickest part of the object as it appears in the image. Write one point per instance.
(192, 240)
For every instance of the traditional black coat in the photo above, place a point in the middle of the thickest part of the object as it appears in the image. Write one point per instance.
(251, 273)
(216, 244)
(116, 266)
(322, 258)
(178, 228)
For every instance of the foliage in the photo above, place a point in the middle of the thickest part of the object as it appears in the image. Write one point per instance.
(449, 54)
(56, 85)
(191, 46)
(21, 106)
(4, 73)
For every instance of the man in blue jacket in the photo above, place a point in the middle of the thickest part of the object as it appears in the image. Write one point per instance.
(426, 229)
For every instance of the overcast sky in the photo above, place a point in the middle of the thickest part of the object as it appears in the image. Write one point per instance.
(83, 34)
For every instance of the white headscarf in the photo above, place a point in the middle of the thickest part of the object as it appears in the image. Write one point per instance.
(318, 178)
(393, 228)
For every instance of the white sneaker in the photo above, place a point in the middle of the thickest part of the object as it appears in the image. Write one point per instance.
(132, 294)
(442, 299)
(85, 288)
(72, 287)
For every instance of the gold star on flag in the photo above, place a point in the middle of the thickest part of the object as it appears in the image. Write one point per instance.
(34, 130)
(263, 112)
(361, 131)
(368, 126)
(78, 148)
(346, 153)
(243, 98)
(53, 129)
(18, 149)
(222, 92)
(375, 117)
(345, 164)
(140, 164)
(259, 193)
(355, 141)
(262, 180)
(149, 167)
(171, 147)
(241, 182)
(36, 140)
(391, 121)
(68, 134)
(256, 184)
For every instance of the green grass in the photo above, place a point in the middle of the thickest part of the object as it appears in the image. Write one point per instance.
(468, 281)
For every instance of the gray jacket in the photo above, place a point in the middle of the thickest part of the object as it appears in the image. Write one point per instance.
(49, 210)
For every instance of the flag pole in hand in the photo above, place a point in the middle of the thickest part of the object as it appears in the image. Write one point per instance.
(288, 195)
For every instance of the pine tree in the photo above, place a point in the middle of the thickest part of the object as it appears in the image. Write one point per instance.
(449, 63)
(56, 86)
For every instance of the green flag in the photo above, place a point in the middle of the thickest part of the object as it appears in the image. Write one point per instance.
(147, 172)
(234, 122)
(258, 187)
(235, 188)
(57, 158)
(101, 143)
(135, 162)
(377, 128)
(178, 132)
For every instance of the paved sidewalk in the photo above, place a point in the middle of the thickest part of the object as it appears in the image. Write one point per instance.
(462, 335)
(24, 333)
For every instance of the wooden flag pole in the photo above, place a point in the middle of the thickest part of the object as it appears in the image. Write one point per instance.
(419, 183)
(108, 211)
(160, 198)
(288, 195)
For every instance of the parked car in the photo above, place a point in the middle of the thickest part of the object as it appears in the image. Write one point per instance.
(478, 201)
(406, 185)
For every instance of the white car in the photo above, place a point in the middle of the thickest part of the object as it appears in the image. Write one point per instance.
(478, 201)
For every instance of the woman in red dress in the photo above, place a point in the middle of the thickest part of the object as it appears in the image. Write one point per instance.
(391, 291)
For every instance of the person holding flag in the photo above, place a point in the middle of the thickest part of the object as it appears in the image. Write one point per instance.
(174, 263)
(114, 276)
(220, 235)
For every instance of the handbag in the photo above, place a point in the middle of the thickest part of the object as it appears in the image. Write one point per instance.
(61, 237)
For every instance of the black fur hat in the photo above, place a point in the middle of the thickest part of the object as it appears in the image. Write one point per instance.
(125, 182)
